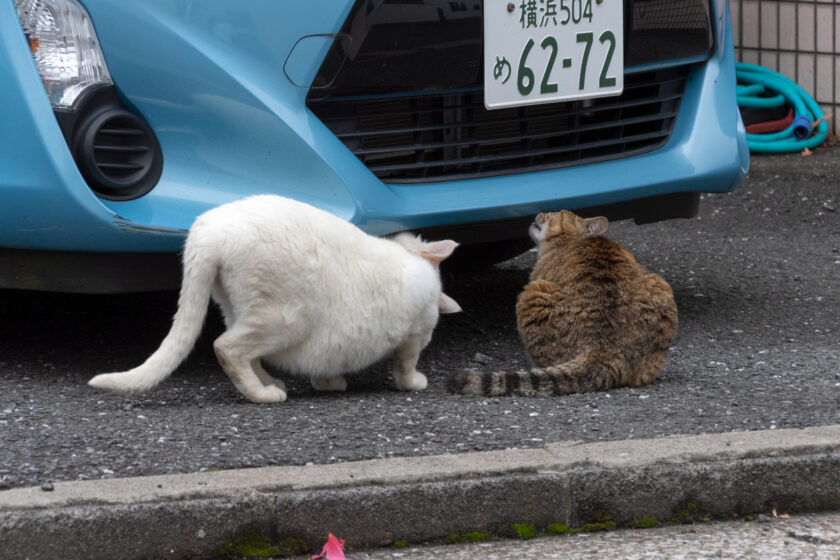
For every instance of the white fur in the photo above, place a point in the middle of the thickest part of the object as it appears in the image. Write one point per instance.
(303, 290)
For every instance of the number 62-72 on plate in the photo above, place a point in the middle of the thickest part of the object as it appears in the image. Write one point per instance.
(542, 51)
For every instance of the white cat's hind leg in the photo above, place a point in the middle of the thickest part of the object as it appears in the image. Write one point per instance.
(223, 301)
(406, 376)
(237, 349)
(334, 383)
(265, 377)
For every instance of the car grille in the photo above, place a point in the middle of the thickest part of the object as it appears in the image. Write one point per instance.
(449, 136)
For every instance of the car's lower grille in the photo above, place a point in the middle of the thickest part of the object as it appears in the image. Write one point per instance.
(449, 136)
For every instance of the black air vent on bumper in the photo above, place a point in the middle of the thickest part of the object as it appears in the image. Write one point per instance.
(117, 154)
(449, 136)
(121, 149)
(115, 150)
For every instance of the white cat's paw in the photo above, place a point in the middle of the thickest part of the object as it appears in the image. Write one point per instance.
(267, 394)
(414, 381)
(336, 383)
(274, 382)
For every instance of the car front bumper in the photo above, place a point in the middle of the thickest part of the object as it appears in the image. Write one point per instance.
(223, 94)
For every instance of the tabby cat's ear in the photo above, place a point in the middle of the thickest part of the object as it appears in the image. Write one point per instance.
(595, 226)
(436, 251)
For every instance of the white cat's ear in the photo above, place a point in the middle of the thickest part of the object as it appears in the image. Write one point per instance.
(596, 226)
(436, 251)
(448, 305)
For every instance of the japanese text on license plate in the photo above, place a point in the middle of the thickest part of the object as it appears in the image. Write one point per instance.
(540, 51)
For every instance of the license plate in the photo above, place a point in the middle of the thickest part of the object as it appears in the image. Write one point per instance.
(542, 51)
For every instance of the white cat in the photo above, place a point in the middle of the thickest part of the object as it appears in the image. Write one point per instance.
(303, 290)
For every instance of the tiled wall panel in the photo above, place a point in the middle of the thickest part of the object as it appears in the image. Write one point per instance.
(800, 39)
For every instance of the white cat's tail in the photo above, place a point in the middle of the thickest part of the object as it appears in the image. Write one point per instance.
(196, 286)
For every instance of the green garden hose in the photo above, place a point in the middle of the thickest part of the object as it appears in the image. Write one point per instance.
(759, 87)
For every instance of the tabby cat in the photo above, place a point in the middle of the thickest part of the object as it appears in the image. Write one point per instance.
(591, 318)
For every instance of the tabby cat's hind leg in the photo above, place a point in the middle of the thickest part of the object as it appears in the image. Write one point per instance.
(662, 298)
(647, 371)
(662, 329)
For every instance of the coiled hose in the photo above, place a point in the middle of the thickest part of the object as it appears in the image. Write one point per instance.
(759, 87)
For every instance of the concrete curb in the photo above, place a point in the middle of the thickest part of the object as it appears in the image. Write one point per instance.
(415, 499)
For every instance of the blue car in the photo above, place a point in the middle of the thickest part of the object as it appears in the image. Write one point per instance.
(124, 120)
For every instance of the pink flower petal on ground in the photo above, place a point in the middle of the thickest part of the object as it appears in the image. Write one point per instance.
(333, 550)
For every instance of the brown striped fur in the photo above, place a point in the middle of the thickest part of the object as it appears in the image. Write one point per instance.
(591, 318)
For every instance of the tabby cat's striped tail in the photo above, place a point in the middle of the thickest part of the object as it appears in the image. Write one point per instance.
(580, 375)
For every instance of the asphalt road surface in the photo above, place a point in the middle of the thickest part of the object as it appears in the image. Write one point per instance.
(756, 279)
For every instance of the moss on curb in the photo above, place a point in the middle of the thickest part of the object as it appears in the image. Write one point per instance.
(644, 522)
(292, 546)
(560, 529)
(473, 537)
(689, 513)
(252, 544)
(601, 521)
(524, 530)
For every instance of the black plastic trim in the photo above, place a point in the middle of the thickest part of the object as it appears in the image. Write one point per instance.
(397, 46)
(451, 136)
(102, 273)
(89, 273)
(115, 150)
(403, 89)
(642, 211)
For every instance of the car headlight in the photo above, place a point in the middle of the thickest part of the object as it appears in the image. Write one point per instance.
(65, 48)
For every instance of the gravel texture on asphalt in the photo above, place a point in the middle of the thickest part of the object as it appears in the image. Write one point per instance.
(755, 276)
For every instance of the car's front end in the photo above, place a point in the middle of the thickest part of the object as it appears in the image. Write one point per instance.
(371, 109)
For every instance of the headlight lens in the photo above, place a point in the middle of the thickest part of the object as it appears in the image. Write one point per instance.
(64, 45)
